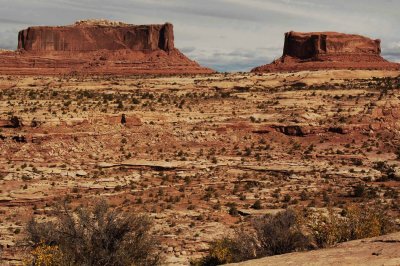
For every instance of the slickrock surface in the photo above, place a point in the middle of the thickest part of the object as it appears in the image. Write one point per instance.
(193, 145)
(97, 47)
(376, 251)
(328, 50)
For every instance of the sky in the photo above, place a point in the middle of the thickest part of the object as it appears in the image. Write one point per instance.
(226, 35)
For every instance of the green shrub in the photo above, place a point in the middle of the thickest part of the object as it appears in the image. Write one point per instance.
(257, 205)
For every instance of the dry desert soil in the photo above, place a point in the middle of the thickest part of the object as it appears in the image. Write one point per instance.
(194, 145)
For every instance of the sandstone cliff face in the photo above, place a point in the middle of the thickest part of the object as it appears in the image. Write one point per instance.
(328, 50)
(98, 47)
(311, 45)
(84, 37)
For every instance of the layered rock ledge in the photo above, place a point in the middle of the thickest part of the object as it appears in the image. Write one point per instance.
(328, 50)
(98, 47)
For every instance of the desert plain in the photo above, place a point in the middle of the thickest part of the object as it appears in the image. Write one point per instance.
(196, 152)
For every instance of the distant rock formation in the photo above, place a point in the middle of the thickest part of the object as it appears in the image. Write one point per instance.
(83, 37)
(98, 47)
(328, 50)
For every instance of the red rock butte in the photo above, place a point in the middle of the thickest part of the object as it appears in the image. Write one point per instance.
(328, 50)
(98, 47)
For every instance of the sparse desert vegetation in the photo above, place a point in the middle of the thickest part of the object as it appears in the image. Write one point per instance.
(207, 159)
(93, 235)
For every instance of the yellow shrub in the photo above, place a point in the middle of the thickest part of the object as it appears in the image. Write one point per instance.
(367, 222)
(357, 223)
(222, 250)
(45, 255)
(328, 229)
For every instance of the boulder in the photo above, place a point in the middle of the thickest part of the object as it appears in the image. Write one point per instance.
(294, 130)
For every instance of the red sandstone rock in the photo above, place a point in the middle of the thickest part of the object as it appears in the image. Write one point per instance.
(84, 38)
(328, 50)
(98, 47)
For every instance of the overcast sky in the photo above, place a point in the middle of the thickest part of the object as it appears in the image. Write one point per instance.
(227, 35)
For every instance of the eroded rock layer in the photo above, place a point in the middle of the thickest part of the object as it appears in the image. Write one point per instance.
(98, 47)
(328, 50)
(87, 37)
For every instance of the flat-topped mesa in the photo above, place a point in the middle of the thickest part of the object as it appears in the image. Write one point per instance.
(86, 36)
(313, 44)
(328, 50)
(98, 47)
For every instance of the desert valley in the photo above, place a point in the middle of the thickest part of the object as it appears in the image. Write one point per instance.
(129, 119)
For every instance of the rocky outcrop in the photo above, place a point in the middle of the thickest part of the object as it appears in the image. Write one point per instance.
(328, 50)
(98, 47)
(91, 37)
(311, 45)
(381, 250)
